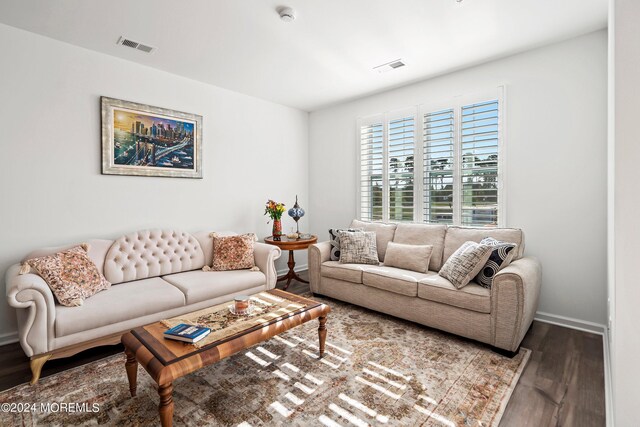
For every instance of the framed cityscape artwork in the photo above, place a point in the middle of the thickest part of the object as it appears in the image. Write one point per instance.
(142, 140)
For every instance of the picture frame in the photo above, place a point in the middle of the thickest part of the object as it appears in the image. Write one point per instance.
(144, 140)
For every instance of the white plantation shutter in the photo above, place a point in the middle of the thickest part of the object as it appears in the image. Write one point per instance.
(400, 168)
(371, 171)
(479, 164)
(457, 178)
(439, 161)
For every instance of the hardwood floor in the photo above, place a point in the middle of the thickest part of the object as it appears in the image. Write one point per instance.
(562, 384)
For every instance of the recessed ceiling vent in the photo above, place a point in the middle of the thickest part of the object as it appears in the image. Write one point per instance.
(135, 45)
(389, 66)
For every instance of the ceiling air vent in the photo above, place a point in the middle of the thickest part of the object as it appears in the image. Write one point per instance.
(389, 66)
(135, 45)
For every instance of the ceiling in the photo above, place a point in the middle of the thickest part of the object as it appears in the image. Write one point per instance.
(325, 56)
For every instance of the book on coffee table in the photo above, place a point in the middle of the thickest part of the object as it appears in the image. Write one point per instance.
(187, 333)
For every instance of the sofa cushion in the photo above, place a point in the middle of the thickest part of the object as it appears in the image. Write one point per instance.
(424, 234)
(206, 242)
(384, 234)
(471, 297)
(97, 251)
(201, 285)
(152, 253)
(119, 303)
(465, 263)
(396, 280)
(500, 257)
(358, 247)
(334, 238)
(348, 272)
(233, 252)
(71, 275)
(456, 236)
(408, 257)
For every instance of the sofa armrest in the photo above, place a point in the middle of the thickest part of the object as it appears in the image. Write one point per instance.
(33, 299)
(514, 301)
(317, 254)
(265, 256)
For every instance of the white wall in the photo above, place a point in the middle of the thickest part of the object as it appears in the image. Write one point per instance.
(626, 193)
(556, 161)
(52, 192)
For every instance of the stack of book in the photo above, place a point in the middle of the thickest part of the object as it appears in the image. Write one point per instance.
(187, 333)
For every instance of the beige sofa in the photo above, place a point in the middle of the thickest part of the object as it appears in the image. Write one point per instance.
(499, 316)
(155, 274)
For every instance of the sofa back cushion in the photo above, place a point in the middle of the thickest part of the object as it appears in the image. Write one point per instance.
(424, 234)
(152, 253)
(384, 234)
(456, 236)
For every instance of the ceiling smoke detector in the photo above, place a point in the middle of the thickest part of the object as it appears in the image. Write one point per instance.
(135, 45)
(389, 66)
(286, 14)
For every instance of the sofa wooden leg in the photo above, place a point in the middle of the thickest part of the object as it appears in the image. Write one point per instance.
(36, 363)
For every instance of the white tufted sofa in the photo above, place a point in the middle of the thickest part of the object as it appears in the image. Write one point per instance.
(155, 274)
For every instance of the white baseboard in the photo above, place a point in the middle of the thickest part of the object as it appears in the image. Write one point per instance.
(8, 338)
(297, 269)
(594, 328)
(571, 323)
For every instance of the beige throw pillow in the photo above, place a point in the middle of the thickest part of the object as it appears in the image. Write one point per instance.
(71, 275)
(358, 247)
(408, 257)
(465, 263)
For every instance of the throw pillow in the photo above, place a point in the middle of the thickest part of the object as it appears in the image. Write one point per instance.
(232, 252)
(71, 275)
(465, 263)
(408, 257)
(358, 247)
(334, 239)
(501, 255)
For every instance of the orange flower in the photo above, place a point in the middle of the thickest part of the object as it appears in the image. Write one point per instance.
(274, 209)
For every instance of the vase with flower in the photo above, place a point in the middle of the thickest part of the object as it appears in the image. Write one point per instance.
(275, 211)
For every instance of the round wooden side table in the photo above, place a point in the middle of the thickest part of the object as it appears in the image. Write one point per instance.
(291, 245)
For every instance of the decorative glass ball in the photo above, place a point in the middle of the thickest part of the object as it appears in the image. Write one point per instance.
(296, 212)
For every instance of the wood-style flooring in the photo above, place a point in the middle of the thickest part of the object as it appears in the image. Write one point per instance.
(562, 384)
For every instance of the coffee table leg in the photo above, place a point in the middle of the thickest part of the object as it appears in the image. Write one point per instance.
(131, 366)
(322, 333)
(166, 404)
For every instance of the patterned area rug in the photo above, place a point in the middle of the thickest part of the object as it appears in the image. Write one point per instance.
(378, 370)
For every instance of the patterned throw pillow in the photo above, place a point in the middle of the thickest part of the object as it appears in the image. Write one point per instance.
(334, 239)
(232, 252)
(358, 247)
(465, 263)
(71, 275)
(501, 255)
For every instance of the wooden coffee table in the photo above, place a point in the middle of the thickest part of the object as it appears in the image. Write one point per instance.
(167, 360)
(291, 245)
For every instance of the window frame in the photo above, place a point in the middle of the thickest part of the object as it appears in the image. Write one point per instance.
(417, 113)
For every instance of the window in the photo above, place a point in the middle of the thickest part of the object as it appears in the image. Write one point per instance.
(400, 169)
(479, 175)
(387, 173)
(438, 165)
(371, 166)
(456, 179)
